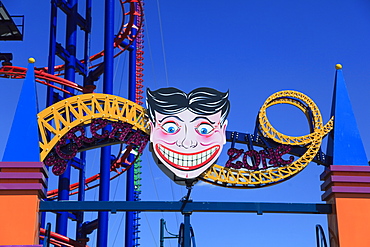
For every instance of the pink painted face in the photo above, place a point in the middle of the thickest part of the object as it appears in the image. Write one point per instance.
(188, 143)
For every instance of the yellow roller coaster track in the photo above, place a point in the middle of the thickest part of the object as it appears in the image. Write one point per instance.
(240, 178)
(62, 116)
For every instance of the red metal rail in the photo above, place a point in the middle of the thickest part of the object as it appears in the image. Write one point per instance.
(60, 240)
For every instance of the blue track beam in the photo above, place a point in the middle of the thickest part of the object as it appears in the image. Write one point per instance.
(186, 230)
(168, 206)
(105, 154)
(130, 196)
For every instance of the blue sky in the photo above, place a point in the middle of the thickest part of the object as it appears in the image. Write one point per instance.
(252, 49)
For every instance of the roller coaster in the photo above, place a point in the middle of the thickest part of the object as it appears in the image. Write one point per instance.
(77, 119)
(128, 37)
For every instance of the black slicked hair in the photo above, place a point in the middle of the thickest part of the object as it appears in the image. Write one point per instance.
(201, 101)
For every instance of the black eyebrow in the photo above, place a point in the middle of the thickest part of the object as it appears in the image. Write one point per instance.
(202, 118)
(160, 121)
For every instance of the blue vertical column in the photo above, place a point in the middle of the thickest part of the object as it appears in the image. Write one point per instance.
(63, 194)
(161, 233)
(82, 170)
(130, 196)
(52, 50)
(87, 36)
(81, 192)
(51, 64)
(106, 151)
(70, 69)
(187, 230)
(71, 41)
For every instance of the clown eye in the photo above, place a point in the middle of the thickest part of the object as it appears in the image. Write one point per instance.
(170, 127)
(204, 128)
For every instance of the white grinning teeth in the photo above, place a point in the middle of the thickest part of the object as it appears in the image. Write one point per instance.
(175, 158)
(171, 158)
(208, 154)
(187, 160)
(203, 158)
(199, 158)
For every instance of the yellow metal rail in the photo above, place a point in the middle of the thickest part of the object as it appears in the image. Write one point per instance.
(62, 116)
(241, 178)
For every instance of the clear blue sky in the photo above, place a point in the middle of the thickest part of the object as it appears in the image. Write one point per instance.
(253, 49)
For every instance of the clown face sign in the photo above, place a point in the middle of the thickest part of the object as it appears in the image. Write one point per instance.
(187, 130)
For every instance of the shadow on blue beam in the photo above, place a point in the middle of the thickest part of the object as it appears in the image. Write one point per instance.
(345, 146)
(167, 206)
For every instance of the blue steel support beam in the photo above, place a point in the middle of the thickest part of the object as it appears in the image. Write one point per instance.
(71, 40)
(81, 192)
(52, 50)
(63, 194)
(174, 206)
(186, 230)
(87, 35)
(98, 71)
(67, 8)
(82, 163)
(70, 68)
(103, 216)
(94, 74)
(51, 64)
(161, 233)
(129, 230)
(65, 56)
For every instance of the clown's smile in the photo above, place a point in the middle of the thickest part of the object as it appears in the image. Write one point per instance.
(187, 161)
(187, 143)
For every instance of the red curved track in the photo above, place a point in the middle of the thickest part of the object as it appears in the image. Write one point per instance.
(125, 33)
(41, 77)
(60, 240)
(139, 62)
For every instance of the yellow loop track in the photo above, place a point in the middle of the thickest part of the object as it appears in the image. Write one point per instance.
(241, 178)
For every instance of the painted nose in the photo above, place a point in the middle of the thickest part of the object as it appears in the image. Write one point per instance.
(187, 141)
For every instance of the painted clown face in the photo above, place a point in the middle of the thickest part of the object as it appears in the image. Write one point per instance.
(187, 143)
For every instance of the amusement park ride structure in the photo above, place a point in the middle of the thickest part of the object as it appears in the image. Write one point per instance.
(77, 119)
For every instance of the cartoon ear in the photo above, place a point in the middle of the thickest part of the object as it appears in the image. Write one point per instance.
(224, 130)
(151, 130)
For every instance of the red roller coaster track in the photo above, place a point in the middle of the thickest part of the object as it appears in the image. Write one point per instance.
(122, 42)
(60, 240)
(139, 61)
(124, 34)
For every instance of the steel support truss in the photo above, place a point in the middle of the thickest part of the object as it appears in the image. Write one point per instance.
(189, 207)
